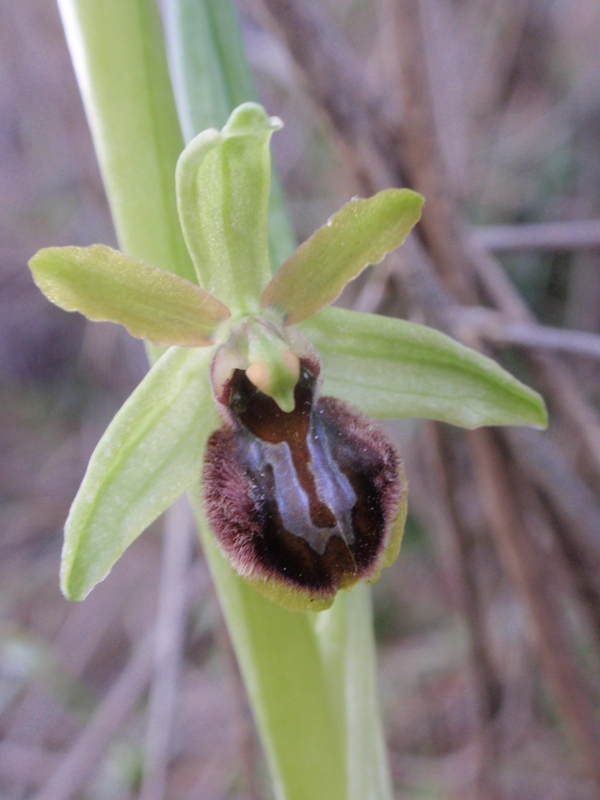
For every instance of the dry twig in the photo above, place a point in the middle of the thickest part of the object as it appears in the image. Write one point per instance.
(533, 571)
(462, 544)
(82, 759)
(168, 644)
(496, 329)
(575, 235)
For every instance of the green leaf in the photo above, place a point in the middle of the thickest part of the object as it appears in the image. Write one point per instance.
(103, 284)
(207, 60)
(392, 368)
(360, 233)
(150, 454)
(119, 57)
(223, 195)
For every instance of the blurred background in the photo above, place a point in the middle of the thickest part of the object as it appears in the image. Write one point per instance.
(488, 625)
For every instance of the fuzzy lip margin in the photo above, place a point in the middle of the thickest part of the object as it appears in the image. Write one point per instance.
(242, 502)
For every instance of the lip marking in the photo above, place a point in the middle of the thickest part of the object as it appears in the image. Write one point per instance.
(332, 487)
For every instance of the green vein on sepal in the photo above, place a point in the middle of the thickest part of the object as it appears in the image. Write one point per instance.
(104, 284)
(391, 368)
(223, 181)
(151, 452)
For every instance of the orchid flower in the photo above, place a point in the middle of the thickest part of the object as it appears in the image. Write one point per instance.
(304, 493)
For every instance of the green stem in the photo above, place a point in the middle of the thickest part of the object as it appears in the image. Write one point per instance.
(299, 719)
(345, 634)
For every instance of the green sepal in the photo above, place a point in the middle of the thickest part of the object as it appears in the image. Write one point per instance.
(210, 76)
(222, 195)
(151, 452)
(359, 234)
(391, 368)
(104, 284)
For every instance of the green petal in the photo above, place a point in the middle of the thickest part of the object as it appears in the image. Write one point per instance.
(392, 368)
(361, 233)
(103, 284)
(222, 195)
(150, 454)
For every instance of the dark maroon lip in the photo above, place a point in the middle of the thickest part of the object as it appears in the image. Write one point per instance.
(306, 497)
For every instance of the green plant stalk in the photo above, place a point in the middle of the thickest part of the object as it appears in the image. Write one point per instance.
(307, 685)
(300, 723)
(346, 638)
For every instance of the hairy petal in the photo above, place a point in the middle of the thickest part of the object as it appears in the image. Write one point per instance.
(359, 234)
(303, 503)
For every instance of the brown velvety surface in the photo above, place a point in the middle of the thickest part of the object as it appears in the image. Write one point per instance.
(243, 500)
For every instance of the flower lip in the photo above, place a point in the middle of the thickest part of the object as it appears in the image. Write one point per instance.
(302, 502)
